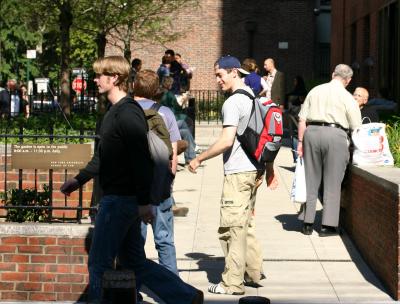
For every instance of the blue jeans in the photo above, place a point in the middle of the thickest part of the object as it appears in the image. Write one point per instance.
(163, 232)
(117, 233)
(294, 144)
(190, 152)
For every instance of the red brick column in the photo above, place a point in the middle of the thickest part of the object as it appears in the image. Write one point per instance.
(43, 262)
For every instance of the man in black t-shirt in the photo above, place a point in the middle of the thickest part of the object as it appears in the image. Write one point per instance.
(125, 167)
(4, 101)
(361, 96)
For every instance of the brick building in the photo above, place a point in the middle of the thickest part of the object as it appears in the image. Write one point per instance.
(365, 34)
(282, 29)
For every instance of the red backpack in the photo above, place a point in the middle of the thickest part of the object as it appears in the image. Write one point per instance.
(262, 138)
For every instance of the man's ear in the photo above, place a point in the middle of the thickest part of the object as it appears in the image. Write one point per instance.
(114, 79)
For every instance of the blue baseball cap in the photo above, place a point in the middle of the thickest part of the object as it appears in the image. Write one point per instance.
(230, 62)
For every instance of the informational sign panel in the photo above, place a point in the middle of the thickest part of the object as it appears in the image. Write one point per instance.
(41, 84)
(50, 156)
(79, 71)
(31, 54)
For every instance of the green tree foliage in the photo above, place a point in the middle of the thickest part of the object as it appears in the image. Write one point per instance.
(71, 32)
(120, 22)
(17, 34)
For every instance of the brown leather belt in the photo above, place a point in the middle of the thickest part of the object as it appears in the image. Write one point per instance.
(326, 124)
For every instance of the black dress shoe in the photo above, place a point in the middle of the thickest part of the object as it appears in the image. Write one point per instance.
(328, 231)
(247, 282)
(307, 229)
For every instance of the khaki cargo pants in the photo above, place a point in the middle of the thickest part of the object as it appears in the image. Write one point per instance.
(237, 231)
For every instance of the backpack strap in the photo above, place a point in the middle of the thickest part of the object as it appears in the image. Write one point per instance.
(155, 106)
(244, 92)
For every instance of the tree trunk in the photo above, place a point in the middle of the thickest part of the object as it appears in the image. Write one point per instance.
(127, 43)
(127, 53)
(101, 41)
(65, 19)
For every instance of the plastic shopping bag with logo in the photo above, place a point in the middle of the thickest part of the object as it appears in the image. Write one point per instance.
(299, 194)
(371, 147)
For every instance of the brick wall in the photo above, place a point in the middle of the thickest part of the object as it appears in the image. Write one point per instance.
(218, 27)
(43, 262)
(348, 13)
(42, 177)
(371, 203)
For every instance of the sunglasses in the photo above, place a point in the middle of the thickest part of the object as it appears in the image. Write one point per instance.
(97, 75)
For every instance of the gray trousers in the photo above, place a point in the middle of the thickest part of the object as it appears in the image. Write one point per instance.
(326, 155)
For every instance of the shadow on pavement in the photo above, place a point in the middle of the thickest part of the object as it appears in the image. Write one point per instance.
(361, 264)
(291, 222)
(213, 266)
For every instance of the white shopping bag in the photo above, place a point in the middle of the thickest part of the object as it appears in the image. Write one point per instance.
(299, 194)
(371, 147)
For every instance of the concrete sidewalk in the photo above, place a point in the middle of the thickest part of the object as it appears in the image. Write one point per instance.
(299, 268)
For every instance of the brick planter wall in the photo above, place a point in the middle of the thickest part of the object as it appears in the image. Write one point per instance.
(43, 262)
(371, 202)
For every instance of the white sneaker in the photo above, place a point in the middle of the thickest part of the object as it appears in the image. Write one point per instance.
(218, 289)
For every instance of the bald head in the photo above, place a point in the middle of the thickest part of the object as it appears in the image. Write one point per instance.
(361, 96)
(11, 84)
(269, 64)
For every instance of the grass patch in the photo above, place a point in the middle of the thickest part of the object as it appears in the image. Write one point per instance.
(393, 134)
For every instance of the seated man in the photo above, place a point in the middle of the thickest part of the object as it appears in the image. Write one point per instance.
(361, 96)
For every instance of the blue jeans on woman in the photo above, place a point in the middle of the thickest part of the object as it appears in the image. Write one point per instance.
(117, 233)
(163, 232)
(187, 135)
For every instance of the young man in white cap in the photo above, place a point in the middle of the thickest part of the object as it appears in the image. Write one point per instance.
(243, 258)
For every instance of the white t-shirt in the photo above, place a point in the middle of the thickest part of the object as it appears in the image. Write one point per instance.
(236, 112)
(15, 104)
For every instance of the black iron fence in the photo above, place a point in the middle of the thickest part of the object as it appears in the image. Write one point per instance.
(33, 194)
(84, 102)
(42, 200)
(208, 104)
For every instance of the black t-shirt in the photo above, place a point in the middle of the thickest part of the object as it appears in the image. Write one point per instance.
(123, 160)
(175, 71)
(371, 113)
(4, 101)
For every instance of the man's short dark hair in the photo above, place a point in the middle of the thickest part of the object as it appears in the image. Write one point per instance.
(136, 62)
(165, 60)
(170, 52)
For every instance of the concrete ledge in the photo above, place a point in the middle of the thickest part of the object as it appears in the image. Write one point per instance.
(41, 229)
(388, 177)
